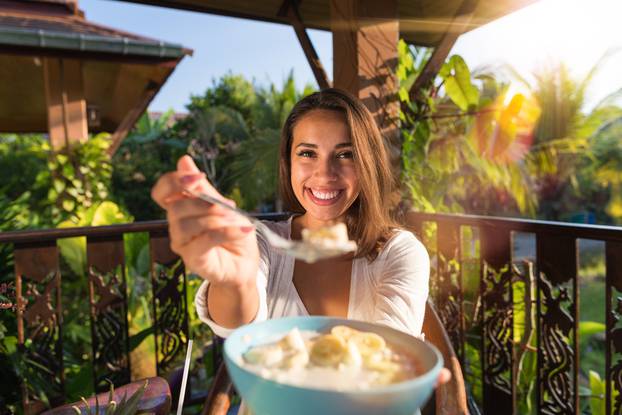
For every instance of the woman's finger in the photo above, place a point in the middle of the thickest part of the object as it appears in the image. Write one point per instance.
(167, 185)
(192, 179)
(188, 206)
(198, 249)
(187, 229)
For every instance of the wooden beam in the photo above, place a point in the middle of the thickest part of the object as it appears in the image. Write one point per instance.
(457, 26)
(132, 116)
(365, 38)
(64, 91)
(290, 8)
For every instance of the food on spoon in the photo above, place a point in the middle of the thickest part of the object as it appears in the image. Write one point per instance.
(329, 237)
(342, 358)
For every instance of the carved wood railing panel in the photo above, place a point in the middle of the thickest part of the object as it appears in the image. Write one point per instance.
(557, 324)
(108, 300)
(449, 301)
(497, 321)
(170, 309)
(39, 314)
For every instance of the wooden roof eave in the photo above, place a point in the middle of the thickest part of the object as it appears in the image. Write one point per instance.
(42, 40)
(133, 115)
(422, 22)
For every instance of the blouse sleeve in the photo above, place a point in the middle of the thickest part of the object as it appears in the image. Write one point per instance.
(200, 299)
(402, 290)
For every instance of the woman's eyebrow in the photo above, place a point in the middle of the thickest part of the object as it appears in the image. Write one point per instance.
(306, 145)
(340, 145)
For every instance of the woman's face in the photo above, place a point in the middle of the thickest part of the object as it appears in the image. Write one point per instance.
(323, 174)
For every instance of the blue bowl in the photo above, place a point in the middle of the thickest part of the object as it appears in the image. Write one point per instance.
(268, 397)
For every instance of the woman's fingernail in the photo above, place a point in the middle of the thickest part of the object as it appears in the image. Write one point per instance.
(190, 178)
(247, 229)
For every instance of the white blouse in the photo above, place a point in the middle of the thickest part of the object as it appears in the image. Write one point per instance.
(390, 290)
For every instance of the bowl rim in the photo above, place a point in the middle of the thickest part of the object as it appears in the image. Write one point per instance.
(376, 390)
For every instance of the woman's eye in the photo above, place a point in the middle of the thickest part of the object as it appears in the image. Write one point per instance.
(305, 153)
(345, 155)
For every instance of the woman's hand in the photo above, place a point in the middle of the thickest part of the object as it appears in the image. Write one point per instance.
(213, 242)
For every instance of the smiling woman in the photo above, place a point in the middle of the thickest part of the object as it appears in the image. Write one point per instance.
(333, 168)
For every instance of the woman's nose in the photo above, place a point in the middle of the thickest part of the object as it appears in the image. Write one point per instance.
(327, 168)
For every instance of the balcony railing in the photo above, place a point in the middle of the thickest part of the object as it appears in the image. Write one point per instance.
(499, 302)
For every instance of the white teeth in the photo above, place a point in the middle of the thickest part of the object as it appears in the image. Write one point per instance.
(325, 195)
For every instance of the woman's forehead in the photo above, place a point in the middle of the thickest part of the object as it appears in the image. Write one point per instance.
(321, 126)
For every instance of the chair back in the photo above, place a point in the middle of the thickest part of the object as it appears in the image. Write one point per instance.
(450, 398)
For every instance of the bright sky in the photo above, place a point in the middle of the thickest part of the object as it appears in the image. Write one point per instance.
(576, 31)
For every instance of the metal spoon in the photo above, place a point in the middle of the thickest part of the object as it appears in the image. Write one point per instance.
(302, 250)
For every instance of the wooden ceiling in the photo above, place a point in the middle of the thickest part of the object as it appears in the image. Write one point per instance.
(422, 22)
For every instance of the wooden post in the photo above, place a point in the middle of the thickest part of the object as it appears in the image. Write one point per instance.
(365, 38)
(64, 91)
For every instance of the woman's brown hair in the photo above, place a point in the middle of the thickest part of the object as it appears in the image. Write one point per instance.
(369, 219)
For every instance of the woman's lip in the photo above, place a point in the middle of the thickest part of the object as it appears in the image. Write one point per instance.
(323, 202)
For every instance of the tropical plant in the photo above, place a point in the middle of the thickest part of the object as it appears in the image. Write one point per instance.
(146, 153)
(565, 138)
(127, 405)
(460, 138)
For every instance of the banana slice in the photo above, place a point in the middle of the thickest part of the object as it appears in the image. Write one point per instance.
(352, 356)
(387, 371)
(344, 332)
(382, 365)
(328, 350)
(265, 355)
(293, 341)
(296, 360)
(368, 343)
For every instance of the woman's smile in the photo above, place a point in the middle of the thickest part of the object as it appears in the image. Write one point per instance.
(324, 197)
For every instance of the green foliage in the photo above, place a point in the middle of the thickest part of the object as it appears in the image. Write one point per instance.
(146, 153)
(448, 164)
(570, 153)
(457, 82)
(597, 392)
(53, 186)
(76, 177)
(73, 250)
